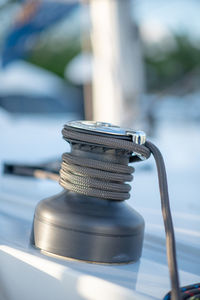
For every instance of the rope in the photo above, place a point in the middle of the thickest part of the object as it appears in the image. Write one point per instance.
(107, 180)
(169, 229)
(95, 178)
(109, 142)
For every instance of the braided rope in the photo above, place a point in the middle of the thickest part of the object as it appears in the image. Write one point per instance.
(92, 177)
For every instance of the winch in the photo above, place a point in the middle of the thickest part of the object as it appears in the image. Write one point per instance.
(90, 220)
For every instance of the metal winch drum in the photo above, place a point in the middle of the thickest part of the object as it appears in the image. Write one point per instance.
(90, 219)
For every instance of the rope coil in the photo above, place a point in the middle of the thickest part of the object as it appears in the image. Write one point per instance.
(91, 177)
(95, 178)
(106, 180)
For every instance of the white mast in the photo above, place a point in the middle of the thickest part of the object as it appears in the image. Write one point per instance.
(118, 71)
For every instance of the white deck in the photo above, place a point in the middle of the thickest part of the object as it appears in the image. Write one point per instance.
(26, 273)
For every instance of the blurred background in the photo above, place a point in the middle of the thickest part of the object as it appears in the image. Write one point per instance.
(98, 60)
(134, 63)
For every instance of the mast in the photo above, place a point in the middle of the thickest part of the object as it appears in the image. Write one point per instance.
(118, 71)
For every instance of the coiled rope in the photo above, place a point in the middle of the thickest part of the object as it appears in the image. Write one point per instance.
(96, 178)
(106, 180)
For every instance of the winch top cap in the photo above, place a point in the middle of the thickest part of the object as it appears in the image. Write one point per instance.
(139, 137)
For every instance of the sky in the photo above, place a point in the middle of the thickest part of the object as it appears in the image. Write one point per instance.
(176, 15)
